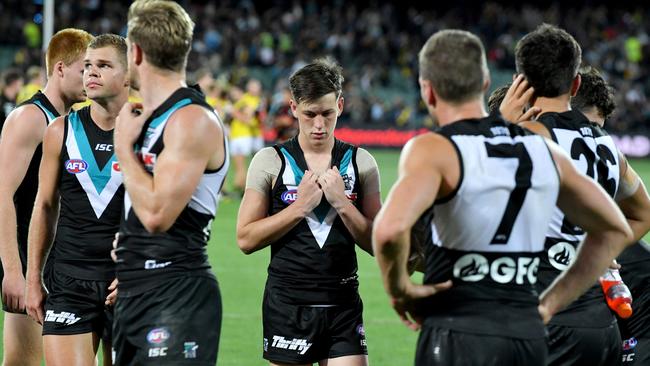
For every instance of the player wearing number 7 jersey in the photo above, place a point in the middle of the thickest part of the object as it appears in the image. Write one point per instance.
(585, 333)
(492, 187)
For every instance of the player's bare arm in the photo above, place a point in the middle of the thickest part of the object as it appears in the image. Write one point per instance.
(257, 230)
(633, 200)
(42, 226)
(357, 221)
(22, 133)
(587, 205)
(424, 159)
(190, 149)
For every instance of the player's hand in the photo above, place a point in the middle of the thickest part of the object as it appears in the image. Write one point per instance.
(128, 125)
(309, 193)
(517, 98)
(545, 313)
(407, 304)
(35, 300)
(13, 291)
(110, 299)
(331, 183)
(614, 265)
(115, 241)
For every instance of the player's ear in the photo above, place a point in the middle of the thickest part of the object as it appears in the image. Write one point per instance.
(486, 83)
(294, 107)
(340, 104)
(575, 85)
(426, 92)
(58, 69)
(136, 53)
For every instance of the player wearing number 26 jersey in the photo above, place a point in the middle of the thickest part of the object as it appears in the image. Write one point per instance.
(490, 187)
(585, 332)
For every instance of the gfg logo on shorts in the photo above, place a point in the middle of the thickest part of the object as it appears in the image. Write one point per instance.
(475, 267)
(561, 255)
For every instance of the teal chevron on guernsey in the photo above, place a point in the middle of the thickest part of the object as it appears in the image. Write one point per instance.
(50, 116)
(100, 185)
(99, 177)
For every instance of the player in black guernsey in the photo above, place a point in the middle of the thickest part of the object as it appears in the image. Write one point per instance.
(635, 331)
(79, 173)
(173, 157)
(311, 199)
(595, 100)
(20, 155)
(492, 187)
(548, 58)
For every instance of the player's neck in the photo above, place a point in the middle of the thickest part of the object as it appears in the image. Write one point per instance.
(104, 111)
(315, 148)
(447, 113)
(56, 97)
(157, 85)
(593, 116)
(558, 104)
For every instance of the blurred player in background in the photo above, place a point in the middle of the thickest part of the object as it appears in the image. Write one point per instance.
(35, 81)
(12, 81)
(246, 130)
(20, 156)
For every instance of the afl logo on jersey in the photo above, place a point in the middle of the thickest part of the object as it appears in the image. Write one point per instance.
(561, 255)
(158, 335)
(629, 344)
(76, 166)
(289, 196)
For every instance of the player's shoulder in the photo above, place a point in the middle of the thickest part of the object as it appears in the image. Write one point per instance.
(27, 112)
(266, 154)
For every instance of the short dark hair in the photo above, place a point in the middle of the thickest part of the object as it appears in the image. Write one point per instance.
(10, 76)
(594, 92)
(454, 62)
(495, 99)
(111, 40)
(549, 58)
(321, 77)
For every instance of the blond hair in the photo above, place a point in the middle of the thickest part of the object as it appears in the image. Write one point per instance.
(163, 30)
(67, 45)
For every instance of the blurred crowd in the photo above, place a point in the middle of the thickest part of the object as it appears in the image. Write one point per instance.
(376, 43)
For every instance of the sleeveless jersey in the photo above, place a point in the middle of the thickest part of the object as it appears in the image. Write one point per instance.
(92, 196)
(315, 263)
(26, 192)
(593, 153)
(144, 259)
(487, 236)
(635, 271)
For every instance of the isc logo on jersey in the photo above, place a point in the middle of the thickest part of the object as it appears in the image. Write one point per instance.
(475, 267)
(76, 166)
(158, 336)
(289, 196)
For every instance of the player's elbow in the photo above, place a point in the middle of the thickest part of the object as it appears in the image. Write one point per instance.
(156, 223)
(244, 243)
(386, 232)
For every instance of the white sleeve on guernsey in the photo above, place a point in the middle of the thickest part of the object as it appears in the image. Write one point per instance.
(368, 172)
(263, 170)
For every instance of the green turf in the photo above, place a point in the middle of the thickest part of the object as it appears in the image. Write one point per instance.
(242, 280)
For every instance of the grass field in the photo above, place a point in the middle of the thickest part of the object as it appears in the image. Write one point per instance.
(242, 281)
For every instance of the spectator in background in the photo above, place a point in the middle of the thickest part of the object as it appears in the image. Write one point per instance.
(35, 81)
(12, 81)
